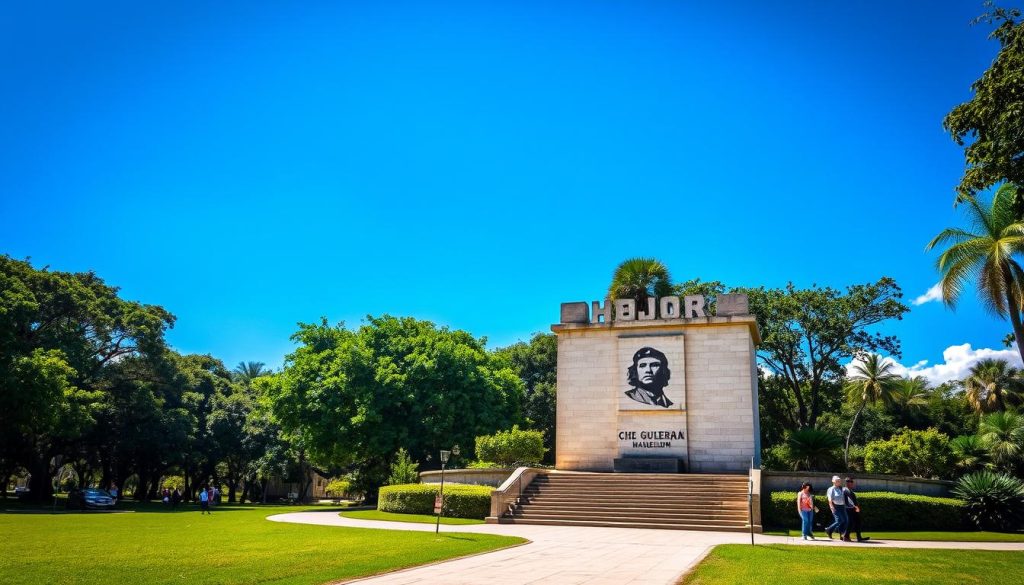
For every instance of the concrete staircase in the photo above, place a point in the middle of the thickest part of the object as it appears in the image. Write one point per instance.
(634, 500)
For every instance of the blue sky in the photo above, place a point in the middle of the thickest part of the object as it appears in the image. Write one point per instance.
(252, 165)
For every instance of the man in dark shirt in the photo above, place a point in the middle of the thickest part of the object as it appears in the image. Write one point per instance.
(853, 511)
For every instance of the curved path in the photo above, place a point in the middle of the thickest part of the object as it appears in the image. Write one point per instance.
(594, 556)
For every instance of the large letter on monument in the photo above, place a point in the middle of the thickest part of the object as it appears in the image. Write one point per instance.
(625, 310)
(649, 314)
(694, 306)
(597, 311)
(670, 308)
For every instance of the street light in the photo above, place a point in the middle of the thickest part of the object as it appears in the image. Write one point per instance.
(439, 501)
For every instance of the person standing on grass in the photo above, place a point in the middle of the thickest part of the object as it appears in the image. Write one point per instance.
(204, 501)
(113, 492)
(853, 511)
(805, 507)
(837, 503)
(175, 498)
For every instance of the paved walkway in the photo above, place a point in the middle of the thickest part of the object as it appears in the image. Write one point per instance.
(584, 555)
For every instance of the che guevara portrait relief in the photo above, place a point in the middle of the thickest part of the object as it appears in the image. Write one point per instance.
(649, 384)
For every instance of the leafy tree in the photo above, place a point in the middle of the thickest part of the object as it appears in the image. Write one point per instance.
(640, 279)
(227, 427)
(1003, 433)
(986, 256)
(994, 118)
(58, 333)
(811, 449)
(873, 381)
(912, 453)
(991, 385)
(808, 334)
(536, 365)
(403, 469)
(352, 398)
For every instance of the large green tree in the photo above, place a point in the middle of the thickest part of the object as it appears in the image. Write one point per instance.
(353, 398)
(59, 332)
(991, 123)
(985, 255)
(808, 334)
(536, 365)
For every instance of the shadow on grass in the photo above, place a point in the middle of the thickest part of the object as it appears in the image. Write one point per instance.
(129, 506)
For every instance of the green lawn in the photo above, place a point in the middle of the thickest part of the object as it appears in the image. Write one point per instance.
(419, 518)
(236, 544)
(972, 536)
(737, 564)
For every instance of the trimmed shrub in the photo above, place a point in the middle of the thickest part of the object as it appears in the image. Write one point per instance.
(460, 501)
(914, 453)
(879, 511)
(993, 501)
(512, 447)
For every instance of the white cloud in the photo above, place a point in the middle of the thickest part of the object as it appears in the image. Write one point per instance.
(933, 294)
(957, 362)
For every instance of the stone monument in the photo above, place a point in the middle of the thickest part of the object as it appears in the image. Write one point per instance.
(661, 388)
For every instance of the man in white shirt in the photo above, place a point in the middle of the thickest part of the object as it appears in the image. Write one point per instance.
(837, 503)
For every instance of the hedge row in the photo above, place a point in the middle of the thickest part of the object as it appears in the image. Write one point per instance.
(460, 501)
(879, 511)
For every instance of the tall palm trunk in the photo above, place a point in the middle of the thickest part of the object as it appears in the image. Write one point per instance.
(1015, 321)
(846, 451)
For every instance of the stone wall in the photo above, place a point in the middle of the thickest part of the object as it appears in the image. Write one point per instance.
(491, 477)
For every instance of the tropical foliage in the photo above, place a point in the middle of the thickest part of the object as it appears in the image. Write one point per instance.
(984, 254)
(993, 501)
(873, 380)
(640, 279)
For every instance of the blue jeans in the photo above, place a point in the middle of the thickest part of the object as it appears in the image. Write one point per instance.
(806, 522)
(841, 520)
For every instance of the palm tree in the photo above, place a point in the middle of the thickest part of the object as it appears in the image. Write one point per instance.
(873, 381)
(970, 452)
(1003, 432)
(640, 279)
(811, 449)
(991, 385)
(908, 396)
(246, 372)
(986, 254)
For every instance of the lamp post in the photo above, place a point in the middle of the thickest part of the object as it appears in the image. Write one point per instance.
(439, 504)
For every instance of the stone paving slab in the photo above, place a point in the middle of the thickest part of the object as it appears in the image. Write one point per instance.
(584, 555)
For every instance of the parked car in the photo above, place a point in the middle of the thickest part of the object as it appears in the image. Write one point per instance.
(90, 499)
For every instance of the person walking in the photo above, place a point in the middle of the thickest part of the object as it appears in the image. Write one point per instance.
(853, 511)
(113, 492)
(175, 498)
(837, 503)
(805, 507)
(204, 501)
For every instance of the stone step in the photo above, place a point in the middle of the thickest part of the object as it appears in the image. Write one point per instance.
(586, 504)
(646, 518)
(657, 489)
(582, 514)
(625, 524)
(633, 497)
